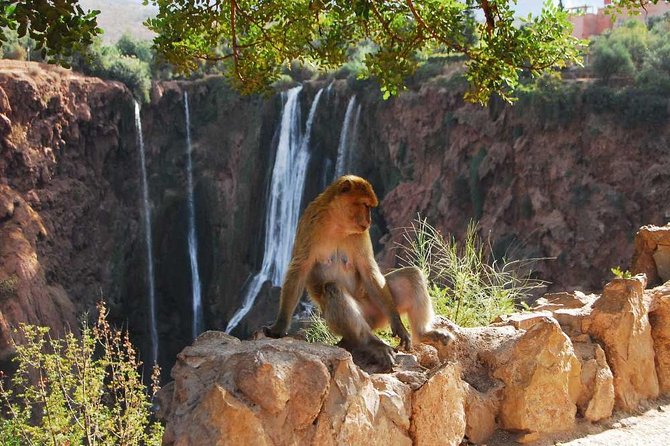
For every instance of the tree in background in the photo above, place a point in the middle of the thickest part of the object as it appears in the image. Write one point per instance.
(611, 59)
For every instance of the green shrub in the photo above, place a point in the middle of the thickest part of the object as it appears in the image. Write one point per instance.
(611, 60)
(8, 287)
(108, 62)
(141, 49)
(75, 391)
(600, 98)
(638, 108)
(552, 100)
(466, 285)
(132, 72)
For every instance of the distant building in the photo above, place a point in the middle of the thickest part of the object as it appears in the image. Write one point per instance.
(586, 22)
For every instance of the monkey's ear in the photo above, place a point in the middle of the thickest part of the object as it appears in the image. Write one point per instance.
(346, 186)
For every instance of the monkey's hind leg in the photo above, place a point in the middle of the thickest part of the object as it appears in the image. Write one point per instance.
(410, 293)
(344, 317)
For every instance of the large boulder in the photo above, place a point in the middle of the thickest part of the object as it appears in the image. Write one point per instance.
(620, 323)
(659, 318)
(540, 373)
(438, 409)
(286, 391)
(652, 253)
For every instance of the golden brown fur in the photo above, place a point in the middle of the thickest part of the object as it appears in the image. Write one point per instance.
(333, 259)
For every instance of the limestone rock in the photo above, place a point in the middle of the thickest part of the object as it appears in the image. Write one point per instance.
(619, 321)
(555, 301)
(659, 318)
(652, 253)
(540, 373)
(524, 321)
(438, 409)
(277, 392)
(596, 399)
(481, 410)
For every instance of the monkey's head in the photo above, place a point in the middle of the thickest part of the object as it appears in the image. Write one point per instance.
(353, 200)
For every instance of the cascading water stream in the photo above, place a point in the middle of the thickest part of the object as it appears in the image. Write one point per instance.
(287, 184)
(153, 331)
(343, 148)
(192, 237)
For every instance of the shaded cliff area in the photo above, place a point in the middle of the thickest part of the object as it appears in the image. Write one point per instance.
(575, 189)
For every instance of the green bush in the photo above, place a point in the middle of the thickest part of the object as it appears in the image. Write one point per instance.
(8, 286)
(108, 62)
(599, 98)
(132, 72)
(141, 49)
(610, 60)
(552, 100)
(75, 391)
(465, 283)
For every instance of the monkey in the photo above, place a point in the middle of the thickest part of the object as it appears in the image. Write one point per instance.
(333, 259)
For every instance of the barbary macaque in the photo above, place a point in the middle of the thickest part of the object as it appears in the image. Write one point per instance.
(333, 259)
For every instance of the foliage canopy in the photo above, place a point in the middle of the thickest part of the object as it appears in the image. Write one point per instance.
(255, 38)
(59, 27)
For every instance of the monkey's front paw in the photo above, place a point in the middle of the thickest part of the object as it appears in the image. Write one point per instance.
(274, 332)
(381, 356)
(405, 340)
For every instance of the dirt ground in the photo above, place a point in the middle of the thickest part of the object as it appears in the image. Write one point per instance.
(649, 427)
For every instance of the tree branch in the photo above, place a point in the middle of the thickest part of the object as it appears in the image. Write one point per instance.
(454, 45)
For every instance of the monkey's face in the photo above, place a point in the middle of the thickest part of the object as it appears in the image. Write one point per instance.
(356, 213)
(352, 204)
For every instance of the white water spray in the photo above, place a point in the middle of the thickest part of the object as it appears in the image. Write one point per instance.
(287, 184)
(192, 238)
(344, 147)
(153, 331)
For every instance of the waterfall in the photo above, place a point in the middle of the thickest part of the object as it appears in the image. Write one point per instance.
(192, 237)
(287, 184)
(344, 147)
(147, 238)
(353, 139)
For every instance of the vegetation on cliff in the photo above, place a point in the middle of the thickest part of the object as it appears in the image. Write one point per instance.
(75, 390)
(628, 77)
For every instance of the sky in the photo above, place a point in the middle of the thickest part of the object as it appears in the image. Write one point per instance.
(535, 6)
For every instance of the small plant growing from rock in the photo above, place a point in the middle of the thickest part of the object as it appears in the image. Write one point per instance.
(318, 331)
(621, 274)
(466, 284)
(74, 390)
(8, 286)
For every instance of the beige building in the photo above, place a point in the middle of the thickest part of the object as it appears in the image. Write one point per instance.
(588, 21)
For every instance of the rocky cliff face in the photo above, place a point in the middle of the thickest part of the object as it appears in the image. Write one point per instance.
(572, 189)
(69, 167)
(67, 190)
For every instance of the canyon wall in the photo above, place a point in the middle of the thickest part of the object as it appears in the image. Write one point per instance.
(572, 189)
